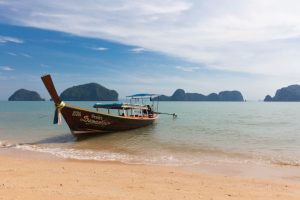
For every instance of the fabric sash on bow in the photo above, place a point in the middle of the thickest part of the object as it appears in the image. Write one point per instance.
(57, 114)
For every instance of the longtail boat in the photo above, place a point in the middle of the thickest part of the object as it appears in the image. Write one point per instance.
(118, 116)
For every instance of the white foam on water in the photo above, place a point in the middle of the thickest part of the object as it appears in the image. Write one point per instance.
(70, 153)
(5, 144)
(154, 158)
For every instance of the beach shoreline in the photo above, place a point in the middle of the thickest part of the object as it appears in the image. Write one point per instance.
(28, 175)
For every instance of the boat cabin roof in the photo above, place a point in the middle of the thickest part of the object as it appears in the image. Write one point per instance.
(120, 106)
(142, 95)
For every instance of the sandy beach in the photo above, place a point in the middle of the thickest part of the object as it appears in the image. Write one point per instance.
(26, 177)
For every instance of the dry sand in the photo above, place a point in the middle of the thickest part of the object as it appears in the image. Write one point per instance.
(33, 178)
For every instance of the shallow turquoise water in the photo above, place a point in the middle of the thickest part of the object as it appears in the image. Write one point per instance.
(203, 132)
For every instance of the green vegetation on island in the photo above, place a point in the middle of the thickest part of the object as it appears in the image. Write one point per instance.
(181, 95)
(290, 93)
(25, 95)
(89, 92)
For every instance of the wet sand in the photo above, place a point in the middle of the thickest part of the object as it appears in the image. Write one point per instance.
(33, 177)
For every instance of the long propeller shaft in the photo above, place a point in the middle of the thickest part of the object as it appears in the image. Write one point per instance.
(162, 113)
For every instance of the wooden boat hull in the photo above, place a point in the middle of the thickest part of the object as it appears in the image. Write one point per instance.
(82, 121)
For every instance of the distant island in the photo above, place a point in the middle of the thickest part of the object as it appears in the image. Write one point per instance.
(97, 92)
(89, 92)
(181, 95)
(25, 95)
(290, 93)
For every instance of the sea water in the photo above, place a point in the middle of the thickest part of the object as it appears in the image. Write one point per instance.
(203, 132)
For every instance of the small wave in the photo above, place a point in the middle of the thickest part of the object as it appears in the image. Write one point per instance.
(5, 144)
(155, 158)
(280, 160)
(287, 163)
(66, 153)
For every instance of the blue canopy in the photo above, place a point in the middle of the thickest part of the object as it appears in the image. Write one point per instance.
(142, 95)
(109, 105)
(120, 106)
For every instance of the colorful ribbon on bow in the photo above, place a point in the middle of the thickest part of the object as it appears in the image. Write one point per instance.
(57, 114)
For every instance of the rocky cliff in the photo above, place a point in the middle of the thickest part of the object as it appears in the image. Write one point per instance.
(181, 95)
(25, 95)
(290, 93)
(89, 92)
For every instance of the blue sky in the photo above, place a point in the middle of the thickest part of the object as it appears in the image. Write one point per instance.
(27, 53)
(158, 46)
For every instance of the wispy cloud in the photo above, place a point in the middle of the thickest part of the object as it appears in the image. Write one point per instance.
(100, 49)
(19, 54)
(6, 68)
(11, 54)
(138, 49)
(246, 36)
(5, 39)
(187, 69)
(44, 65)
(7, 78)
(26, 55)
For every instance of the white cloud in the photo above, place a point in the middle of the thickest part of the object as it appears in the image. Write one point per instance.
(6, 68)
(187, 69)
(100, 49)
(5, 39)
(7, 78)
(250, 36)
(11, 54)
(138, 49)
(44, 66)
(21, 54)
(26, 55)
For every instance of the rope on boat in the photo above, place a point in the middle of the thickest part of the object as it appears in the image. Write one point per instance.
(61, 105)
(57, 114)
